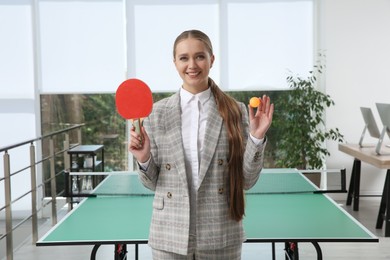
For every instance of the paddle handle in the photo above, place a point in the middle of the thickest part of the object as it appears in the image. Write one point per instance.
(137, 125)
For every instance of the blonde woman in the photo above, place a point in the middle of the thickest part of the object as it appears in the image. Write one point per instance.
(200, 152)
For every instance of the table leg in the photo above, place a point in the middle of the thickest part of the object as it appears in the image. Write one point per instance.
(273, 251)
(291, 249)
(354, 185)
(287, 250)
(383, 214)
(351, 186)
(103, 160)
(292, 252)
(94, 251)
(120, 251)
(356, 192)
(318, 249)
(387, 219)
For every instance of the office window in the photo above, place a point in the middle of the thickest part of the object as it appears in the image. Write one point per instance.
(256, 43)
(16, 52)
(92, 46)
(266, 40)
(156, 27)
(82, 46)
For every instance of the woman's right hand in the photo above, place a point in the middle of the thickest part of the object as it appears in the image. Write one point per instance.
(139, 145)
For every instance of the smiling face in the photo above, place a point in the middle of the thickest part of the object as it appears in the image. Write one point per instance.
(193, 61)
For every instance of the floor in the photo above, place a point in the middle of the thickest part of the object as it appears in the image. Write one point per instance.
(24, 249)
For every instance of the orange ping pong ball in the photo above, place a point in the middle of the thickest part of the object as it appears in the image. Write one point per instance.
(254, 102)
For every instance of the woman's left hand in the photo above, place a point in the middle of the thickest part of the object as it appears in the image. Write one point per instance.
(260, 121)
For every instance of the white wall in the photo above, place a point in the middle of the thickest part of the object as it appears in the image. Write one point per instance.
(356, 37)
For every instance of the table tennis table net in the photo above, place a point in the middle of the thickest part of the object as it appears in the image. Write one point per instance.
(282, 183)
(269, 183)
(122, 185)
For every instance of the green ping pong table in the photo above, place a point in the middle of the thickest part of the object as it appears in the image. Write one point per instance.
(282, 207)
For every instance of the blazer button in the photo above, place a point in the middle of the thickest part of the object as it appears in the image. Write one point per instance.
(168, 166)
(169, 195)
(220, 190)
(257, 156)
(220, 161)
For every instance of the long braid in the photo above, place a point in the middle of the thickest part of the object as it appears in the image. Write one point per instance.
(231, 114)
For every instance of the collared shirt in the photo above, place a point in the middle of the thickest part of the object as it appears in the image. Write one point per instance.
(194, 110)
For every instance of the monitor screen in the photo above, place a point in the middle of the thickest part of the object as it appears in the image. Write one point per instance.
(370, 122)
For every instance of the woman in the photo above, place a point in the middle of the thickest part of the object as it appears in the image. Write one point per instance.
(199, 153)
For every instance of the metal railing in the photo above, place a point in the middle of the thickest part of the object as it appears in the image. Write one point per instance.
(32, 167)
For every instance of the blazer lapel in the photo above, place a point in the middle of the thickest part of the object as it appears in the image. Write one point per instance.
(172, 123)
(213, 131)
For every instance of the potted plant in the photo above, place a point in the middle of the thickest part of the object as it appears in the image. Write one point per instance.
(299, 120)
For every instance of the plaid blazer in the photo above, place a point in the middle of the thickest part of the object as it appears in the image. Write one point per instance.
(166, 175)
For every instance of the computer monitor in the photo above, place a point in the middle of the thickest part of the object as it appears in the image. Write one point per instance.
(384, 114)
(369, 124)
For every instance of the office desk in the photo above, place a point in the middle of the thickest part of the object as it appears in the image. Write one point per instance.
(367, 154)
(121, 210)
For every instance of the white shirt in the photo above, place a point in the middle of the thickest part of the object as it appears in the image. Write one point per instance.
(194, 109)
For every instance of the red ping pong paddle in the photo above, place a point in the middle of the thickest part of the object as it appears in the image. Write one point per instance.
(134, 101)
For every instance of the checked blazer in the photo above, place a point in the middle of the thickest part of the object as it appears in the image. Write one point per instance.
(166, 175)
